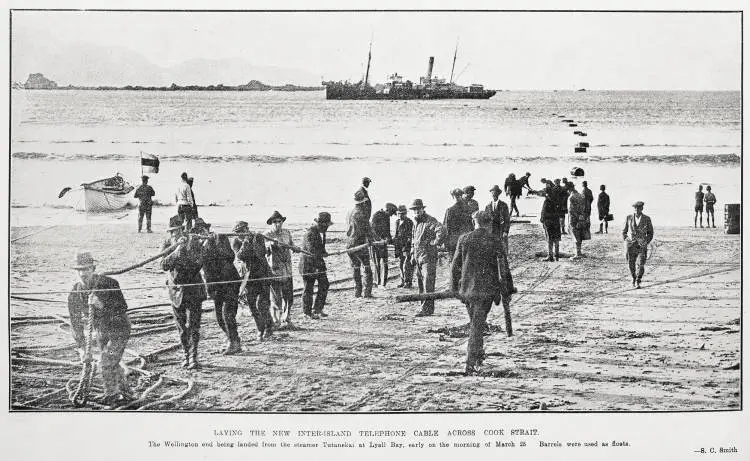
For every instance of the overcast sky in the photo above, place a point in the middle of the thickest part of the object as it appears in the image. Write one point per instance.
(679, 51)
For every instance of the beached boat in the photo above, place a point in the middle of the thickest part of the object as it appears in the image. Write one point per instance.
(107, 194)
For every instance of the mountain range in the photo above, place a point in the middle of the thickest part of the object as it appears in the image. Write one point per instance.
(84, 64)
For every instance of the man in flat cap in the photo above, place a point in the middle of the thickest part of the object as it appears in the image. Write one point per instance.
(637, 233)
(477, 275)
(428, 234)
(457, 221)
(100, 295)
(183, 266)
(359, 233)
(402, 246)
(313, 268)
(381, 226)
(144, 194)
(469, 198)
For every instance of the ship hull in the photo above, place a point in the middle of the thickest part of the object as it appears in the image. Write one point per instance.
(356, 94)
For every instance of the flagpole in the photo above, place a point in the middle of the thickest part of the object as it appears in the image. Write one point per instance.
(141, 163)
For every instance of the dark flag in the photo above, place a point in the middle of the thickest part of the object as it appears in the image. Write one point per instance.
(149, 163)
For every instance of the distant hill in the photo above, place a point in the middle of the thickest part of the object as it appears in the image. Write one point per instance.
(91, 65)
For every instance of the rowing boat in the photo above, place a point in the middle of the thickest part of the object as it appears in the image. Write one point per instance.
(108, 194)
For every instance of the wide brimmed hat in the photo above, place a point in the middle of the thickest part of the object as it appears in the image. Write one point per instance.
(360, 197)
(417, 204)
(276, 215)
(402, 209)
(84, 260)
(175, 222)
(638, 204)
(457, 192)
(468, 189)
(240, 226)
(324, 218)
(496, 188)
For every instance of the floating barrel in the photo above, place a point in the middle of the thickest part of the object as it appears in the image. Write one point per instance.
(583, 144)
(732, 214)
(582, 133)
(576, 171)
(580, 150)
(567, 120)
(572, 124)
(577, 132)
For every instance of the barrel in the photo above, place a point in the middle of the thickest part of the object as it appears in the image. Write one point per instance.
(583, 144)
(579, 149)
(732, 216)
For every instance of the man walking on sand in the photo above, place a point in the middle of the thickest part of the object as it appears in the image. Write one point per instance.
(144, 194)
(637, 233)
(602, 205)
(185, 203)
(710, 200)
(698, 206)
(381, 226)
(359, 233)
(476, 278)
(100, 295)
(428, 234)
(313, 268)
(402, 246)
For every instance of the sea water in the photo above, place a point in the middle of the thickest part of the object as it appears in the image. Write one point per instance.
(255, 152)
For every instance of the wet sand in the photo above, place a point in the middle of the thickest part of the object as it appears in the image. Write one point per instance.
(584, 338)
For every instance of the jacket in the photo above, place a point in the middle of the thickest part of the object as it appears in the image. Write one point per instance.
(278, 257)
(359, 231)
(586, 192)
(500, 217)
(602, 203)
(475, 270)
(457, 221)
(642, 234)
(578, 216)
(218, 266)
(403, 235)
(144, 194)
(184, 194)
(315, 244)
(381, 225)
(428, 234)
(111, 319)
(251, 250)
(367, 205)
(183, 266)
(549, 211)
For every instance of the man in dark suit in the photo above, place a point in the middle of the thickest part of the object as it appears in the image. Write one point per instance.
(638, 233)
(367, 204)
(402, 246)
(251, 250)
(313, 268)
(457, 220)
(102, 296)
(479, 277)
(500, 224)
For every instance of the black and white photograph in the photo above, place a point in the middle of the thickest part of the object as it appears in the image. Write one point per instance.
(375, 212)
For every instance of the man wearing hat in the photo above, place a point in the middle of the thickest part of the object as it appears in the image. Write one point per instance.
(100, 295)
(313, 268)
(280, 259)
(363, 190)
(402, 246)
(359, 233)
(381, 226)
(637, 233)
(477, 277)
(250, 249)
(144, 194)
(472, 204)
(710, 200)
(218, 268)
(457, 221)
(500, 222)
(185, 202)
(428, 234)
(183, 266)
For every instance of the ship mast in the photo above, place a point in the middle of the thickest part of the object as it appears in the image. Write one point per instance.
(369, 57)
(455, 53)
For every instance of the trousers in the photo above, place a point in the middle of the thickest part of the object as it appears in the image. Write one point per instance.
(308, 307)
(637, 260)
(187, 316)
(112, 348)
(258, 300)
(426, 274)
(225, 308)
(478, 310)
(359, 259)
(406, 268)
(282, 298)
(144, 211)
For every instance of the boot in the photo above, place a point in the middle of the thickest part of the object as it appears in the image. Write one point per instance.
(193, 356)
(186, 360)
(368, 285)
(234, 347)
(600, 228)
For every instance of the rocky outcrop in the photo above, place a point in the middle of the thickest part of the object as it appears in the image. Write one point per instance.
(39, 82)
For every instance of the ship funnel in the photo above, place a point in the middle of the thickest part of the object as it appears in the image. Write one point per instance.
(429, 68)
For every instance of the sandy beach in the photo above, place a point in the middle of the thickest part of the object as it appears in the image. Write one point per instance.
(584, 338)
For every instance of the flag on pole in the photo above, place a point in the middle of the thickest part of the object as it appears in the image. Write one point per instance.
(149, 163)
